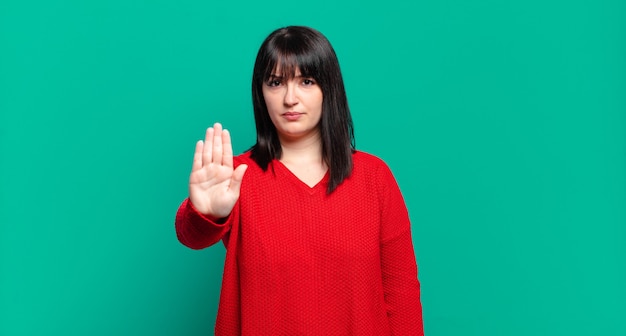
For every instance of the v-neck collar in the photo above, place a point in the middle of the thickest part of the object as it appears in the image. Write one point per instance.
(286, 173)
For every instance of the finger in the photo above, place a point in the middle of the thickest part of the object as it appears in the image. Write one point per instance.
(217, 144)
(235, 181)
(227, 156)
(207, 156)
(197, 156)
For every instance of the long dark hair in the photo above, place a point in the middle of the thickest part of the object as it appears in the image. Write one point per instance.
(302, 48)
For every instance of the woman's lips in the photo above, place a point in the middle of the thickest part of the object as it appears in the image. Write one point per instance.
(292, 116)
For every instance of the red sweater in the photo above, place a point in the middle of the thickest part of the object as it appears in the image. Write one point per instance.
(301, 262)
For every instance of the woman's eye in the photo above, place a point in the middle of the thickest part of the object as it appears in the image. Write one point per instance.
(273, 82)
(308, 82)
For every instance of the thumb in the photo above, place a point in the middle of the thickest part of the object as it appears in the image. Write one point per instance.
(235, 181)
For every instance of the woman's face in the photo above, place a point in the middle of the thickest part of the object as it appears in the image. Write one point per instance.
(294, 105)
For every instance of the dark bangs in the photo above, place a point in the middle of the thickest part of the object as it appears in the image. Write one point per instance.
(288, 54)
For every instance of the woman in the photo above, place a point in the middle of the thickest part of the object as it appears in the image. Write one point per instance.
(317, 234)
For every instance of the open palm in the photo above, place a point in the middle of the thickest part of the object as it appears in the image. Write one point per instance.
(214, 184)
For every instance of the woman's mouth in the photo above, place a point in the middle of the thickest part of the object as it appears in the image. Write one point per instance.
(292, 116)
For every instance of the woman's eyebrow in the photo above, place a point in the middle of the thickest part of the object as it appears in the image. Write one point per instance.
(278, 76)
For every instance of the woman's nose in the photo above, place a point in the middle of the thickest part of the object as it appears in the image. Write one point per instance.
(290, 95)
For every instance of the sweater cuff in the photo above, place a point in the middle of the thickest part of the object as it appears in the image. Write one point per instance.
(195, 215)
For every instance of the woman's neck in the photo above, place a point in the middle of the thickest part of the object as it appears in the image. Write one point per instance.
(303, 157)
(307, 150)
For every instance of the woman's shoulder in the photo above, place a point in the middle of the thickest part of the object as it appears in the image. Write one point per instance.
(370, 166)
(244, 158)
(373, 170)
(366, 160)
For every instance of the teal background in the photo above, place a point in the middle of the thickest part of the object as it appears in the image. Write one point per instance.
(503, 121)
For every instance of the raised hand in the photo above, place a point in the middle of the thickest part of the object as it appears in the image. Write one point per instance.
(213, 184)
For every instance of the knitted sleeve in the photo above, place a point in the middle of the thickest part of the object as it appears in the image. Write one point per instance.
(196, 231)
(399, 268)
